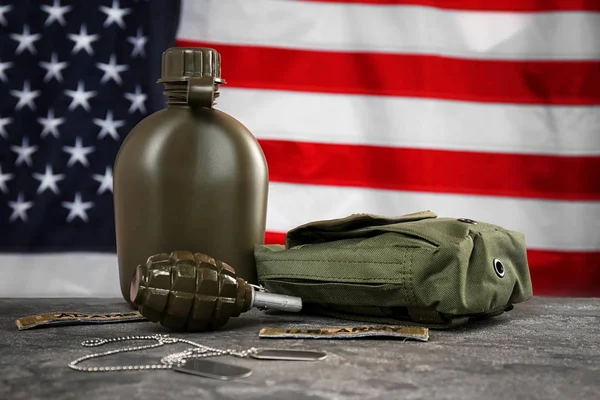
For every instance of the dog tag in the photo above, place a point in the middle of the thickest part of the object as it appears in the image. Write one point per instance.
(213, 369)
(288, 355)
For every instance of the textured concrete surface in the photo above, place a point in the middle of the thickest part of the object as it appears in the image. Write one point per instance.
(543, 349)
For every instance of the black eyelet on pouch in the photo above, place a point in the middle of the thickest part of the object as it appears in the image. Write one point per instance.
(499, 268)
(467, 221)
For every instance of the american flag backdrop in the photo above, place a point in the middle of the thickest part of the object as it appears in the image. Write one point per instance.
(488, 110)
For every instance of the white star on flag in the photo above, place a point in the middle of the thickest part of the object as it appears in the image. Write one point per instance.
(115, 14)
(26, 40)
(108, 125)
(137, 100)
(53, 68)
(24, 152)
(106, 181)
(56, 12)
(3, 179)
(48, 180)
(138, 43)
(83, 40)
(3, 67)
(20, 208)
(3, 122)
(26, 96)
(80, 97)
(112, 70)
(78, 152)
(77, 208)
(50, 124)
(4, 10)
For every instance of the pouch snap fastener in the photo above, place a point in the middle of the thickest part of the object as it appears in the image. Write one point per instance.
(499, 267)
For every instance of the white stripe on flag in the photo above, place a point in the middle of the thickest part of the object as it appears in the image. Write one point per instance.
(417, 123)
(59, 275)
(398, 29)
(553, 225)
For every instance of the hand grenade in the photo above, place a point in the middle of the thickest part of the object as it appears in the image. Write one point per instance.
(192, 291)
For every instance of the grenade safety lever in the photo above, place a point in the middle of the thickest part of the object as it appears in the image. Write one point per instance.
(195, 292)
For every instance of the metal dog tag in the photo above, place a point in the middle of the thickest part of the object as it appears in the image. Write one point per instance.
(213, 369)
(288, 355)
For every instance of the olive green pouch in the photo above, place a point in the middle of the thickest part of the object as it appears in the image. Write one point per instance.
(412, 269)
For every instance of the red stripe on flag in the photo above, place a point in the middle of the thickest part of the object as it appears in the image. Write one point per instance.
(426, 76)
(478, 5)
(440, 171)
(274, 238)
(553, 273)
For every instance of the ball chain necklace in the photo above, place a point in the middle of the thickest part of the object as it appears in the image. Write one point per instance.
(179, 361)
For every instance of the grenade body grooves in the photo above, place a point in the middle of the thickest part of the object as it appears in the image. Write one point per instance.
(189, 291)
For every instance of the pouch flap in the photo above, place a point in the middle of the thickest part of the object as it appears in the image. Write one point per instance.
(328, 230)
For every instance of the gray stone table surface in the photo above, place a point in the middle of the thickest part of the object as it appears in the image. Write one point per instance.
(546, 348)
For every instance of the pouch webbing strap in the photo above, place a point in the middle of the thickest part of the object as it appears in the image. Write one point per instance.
(427, 316)
(448, 324)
